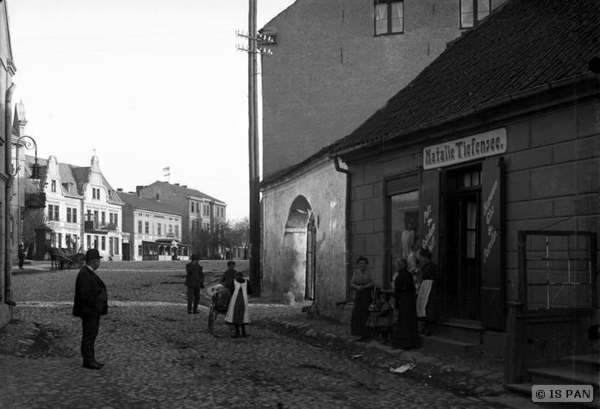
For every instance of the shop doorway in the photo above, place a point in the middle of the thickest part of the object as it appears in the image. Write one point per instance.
(462, 272)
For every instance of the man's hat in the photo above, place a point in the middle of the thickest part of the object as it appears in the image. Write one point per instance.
(92, 254)
(195, 257)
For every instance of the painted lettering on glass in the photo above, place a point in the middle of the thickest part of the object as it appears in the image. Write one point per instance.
(488, 211)
(429, 239)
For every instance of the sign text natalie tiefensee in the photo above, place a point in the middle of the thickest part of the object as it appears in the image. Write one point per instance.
(462, 150)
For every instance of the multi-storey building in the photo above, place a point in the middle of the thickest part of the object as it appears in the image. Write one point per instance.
(203, 216)
(82, 210)
(333, 64)
(154, 230)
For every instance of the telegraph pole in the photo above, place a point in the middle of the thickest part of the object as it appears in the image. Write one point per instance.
(255, 271)
(254, 40)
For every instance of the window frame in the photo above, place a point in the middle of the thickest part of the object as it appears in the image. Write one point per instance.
(475, 7)
(389, 17)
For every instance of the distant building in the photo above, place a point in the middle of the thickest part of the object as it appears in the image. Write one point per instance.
(82, 210)
(203, 216)
(154, 230)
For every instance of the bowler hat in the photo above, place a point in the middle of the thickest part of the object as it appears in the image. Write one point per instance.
(195, 257)
(92, 254)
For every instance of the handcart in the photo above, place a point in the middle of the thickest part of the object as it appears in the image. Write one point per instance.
(220, 302)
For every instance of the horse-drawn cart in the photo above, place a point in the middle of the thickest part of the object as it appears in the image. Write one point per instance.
(65, 258)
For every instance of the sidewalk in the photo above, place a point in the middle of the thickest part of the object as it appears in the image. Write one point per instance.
(481, 377)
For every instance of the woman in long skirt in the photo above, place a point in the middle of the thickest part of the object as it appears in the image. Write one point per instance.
(406, 330)
(237, 312)
(363, 285)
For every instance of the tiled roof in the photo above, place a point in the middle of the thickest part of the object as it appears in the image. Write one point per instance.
(145, 203)
(525, 44)
(186, 191)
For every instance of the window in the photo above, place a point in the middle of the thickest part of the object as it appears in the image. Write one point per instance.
(140, 251)
(116, 245)
(176, 230)
(147, 228)
(192, 207)
(159, 229)
(559, 269)
(53, 213)
(68, 215)
(89, 241)
(389, 17)
(103, 218)
(103, 243)
(472, 12)
(140, 226)
(74, 213)
(53, 186)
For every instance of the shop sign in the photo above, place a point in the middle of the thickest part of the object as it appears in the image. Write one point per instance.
(466, 149)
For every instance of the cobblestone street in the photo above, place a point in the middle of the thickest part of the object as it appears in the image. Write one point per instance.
(157, 355)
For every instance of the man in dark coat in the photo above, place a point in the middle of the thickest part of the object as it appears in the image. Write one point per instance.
(91, 301)
(194, 281)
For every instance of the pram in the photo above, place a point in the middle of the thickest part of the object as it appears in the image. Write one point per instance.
(220, 303)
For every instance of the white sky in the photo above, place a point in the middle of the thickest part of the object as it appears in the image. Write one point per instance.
(147, 84)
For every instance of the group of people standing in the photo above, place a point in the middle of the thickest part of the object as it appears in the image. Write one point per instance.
(415, 298)
(91, 300)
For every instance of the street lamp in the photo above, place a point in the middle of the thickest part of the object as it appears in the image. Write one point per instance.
(28, 142)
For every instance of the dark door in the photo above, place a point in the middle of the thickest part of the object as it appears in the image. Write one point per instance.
(462, 278)
(311, 259)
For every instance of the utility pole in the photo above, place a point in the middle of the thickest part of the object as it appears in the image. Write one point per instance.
(255, 272)
(253, 147)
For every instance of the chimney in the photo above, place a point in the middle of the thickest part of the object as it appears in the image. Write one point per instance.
(120, 189)
(185, 186)
(138, 189)
(176, 184)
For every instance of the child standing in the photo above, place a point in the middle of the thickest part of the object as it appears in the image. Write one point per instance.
(385, 319)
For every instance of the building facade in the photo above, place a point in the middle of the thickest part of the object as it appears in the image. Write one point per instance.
(154, 230)
(203, 216)
(499, 180)
(7, 71)
(82, 210)
(317, 87)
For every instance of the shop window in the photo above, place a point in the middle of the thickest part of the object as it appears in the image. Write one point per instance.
(472, 12)
(403, 227)
(389, 17)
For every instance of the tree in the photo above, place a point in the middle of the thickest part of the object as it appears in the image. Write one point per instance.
(237, 235)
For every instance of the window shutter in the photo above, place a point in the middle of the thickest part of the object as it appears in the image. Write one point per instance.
(429, 202)
(492, 271)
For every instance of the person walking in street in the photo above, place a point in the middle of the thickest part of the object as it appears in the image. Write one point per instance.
(237, 312)
(428, 300)
(194, 281)
(229, 276)
(406, 329)
(91, 301)
(21, 255)
(362, 284)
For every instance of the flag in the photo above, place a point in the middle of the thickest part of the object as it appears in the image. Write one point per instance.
(167, 171)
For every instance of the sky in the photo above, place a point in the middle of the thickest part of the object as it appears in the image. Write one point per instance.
(142, 84)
